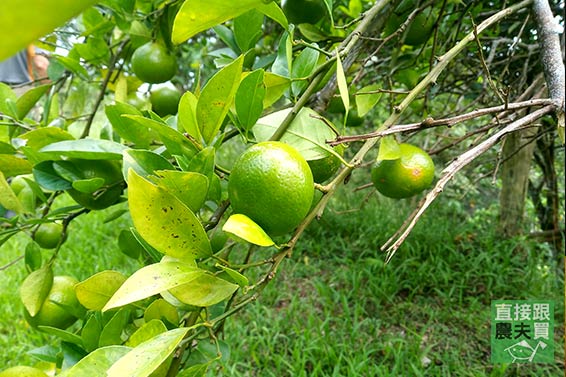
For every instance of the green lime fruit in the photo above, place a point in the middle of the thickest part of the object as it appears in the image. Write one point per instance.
(19, 182)
(165, 101)
(406, 176)
(303, 11)
(22, 371)
(48, 235)
(324, 168)
(111, 190)
(272, 184)
(153, 63)
(59, 308)
(354, 120)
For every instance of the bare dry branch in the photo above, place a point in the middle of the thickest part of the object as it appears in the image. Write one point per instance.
(393, 244)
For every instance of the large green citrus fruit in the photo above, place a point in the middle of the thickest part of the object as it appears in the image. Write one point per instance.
(272, 184)
(324, 168)
(54, 312)
(22, 371)
(406, 176)
(48, 235)
(303, 11)
(165, 101)
(153, 63)
(111, 190)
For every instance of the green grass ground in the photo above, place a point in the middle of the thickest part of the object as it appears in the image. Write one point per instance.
(335, 309)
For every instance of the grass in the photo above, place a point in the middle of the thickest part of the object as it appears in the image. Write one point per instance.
(335, 309)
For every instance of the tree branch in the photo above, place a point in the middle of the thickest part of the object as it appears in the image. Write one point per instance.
(393, 244)
(551, 56)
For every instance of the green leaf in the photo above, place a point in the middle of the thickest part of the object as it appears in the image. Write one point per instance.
(187, 116)
(307, 132)
(196, 16)
(111, 333)
(47, 177)
(94, 292)
(198, 370)
(12, 165)
(7, 95)
(126, 128)
(272, 10)
(72, 65)
(129, 245)
(33, 256)
(96, 363)
(246, 229)
(189, 187)
(275, 87)
(163, 311)
(283, 61)
(63, 335)
(35, 288)
(388, 149)
(148, 330)
(89, 149)
(366, 100)
(152, 280)
(28, 100)
(42, 17)
(8, 199)
(342, 84)
(247, 29)
(40, 137)
(164, 222)
(206, 290)
(235, 276)
(216, 98)
(145, 358)
(249, 99)
(173, 140)
(90, 333)
(303, 66)
(144, 162)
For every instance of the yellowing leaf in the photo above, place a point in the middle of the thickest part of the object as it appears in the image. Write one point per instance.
(94, 292)
(164, 222)
(246, 229)
(97, 362)
(35, 289)
(342, 83)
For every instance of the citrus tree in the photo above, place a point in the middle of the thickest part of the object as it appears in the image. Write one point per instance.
(222, 129)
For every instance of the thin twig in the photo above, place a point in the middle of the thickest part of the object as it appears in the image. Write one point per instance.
(393, 244)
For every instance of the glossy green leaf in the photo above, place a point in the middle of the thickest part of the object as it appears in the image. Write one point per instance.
(96, 363)
(206, 290)
(12, 165)
(47, 177)
(149, 330)
(28, 100)
(89, 149)
(165, 222)
(246, 229)
(72, 65)
(144, 162)
(307, 132)
(129, 245)
(90, 333)
(303, 65)
(162, 310)
(388, 149)
(272, 10)
(145, 358)
(40, 137)
(111, 333)
(43, 17)
(7, 95)
(35, 288)
(33, 256)
(283, 61)
(173, 140)
(367, 98)
(235, 276)
(247, 29)
(275, 87)
(216, 99)
(94, 292)
(196, 16)
(63, 335)
(249, 99)
(189, 187)
(126, 128)
(198, 370)
(153, 279)
(187, 116)
(342, 84)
